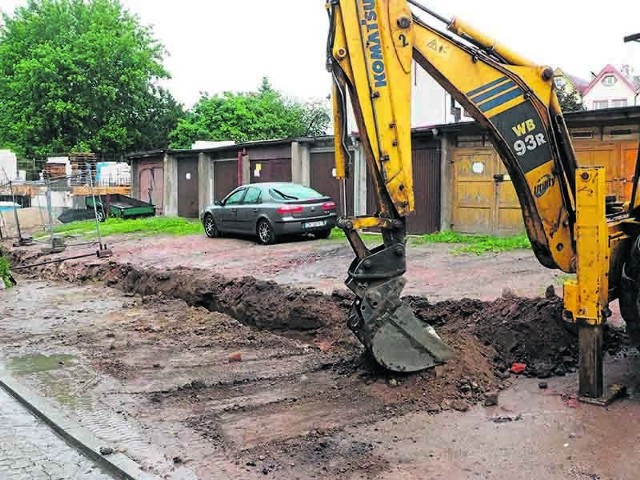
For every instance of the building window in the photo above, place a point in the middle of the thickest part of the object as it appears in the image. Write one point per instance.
(599, 104)
(619, 103)
(609, 80)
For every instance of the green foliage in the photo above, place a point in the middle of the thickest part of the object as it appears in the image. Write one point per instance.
(5, 272)
(477, 244)
(81, 75)
(116, 226)
(569, 102)
(245, 116)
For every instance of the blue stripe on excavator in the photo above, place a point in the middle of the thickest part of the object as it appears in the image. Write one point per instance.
(485, 87)
(504, 98)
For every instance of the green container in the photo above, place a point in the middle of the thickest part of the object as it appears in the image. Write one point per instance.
(120, 206)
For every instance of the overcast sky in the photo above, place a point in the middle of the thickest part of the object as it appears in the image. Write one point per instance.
(222, 45)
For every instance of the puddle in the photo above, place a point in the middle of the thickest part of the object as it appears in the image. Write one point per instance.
(35, 363)
(58, 376)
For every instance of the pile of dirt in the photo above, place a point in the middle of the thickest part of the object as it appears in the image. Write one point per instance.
(530, 331)
(521, 330)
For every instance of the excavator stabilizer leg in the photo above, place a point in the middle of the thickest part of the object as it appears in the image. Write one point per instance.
(385, 324)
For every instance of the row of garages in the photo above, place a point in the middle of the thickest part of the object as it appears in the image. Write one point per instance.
(459, 181)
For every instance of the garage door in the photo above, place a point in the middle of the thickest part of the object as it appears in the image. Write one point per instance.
(426, 191)
(618, 157)
(151, 184)
(484, 200)
(188, 187)
(322, 180)
(225, 177)
(272, 170)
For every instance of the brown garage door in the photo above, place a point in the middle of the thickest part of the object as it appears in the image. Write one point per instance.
(151, 184)
(225, 178)
(483, 205)
(272, 170)
(484, 201)
(188, 187)
(619, 158)
(322, 180)
(426, 188)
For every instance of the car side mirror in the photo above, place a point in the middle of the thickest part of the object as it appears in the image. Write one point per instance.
(217, 202)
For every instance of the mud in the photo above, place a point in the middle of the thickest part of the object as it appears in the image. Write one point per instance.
(487, 336)
(246, 378)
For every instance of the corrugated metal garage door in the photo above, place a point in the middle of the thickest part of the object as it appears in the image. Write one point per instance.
(426, 186)
(322, 180)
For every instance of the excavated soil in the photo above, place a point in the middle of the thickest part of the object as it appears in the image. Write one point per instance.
(269, 375)
(488, 336)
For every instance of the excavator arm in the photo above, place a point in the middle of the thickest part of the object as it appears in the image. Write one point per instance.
(371, 48)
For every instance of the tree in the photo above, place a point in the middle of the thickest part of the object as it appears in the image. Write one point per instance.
(569, 101)
(81, 75)
(245, 116)
(162, 117)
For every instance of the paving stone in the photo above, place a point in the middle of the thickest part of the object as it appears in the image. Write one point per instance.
(30, 450)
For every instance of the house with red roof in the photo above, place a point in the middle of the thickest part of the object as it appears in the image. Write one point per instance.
(571, 84)
(611, 88)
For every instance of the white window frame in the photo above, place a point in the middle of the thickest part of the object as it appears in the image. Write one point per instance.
(597, 104)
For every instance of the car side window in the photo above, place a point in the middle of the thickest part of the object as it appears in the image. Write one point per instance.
(253, 196)
(235, 198)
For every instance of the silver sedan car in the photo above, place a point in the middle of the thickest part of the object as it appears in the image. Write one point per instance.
(270, 211)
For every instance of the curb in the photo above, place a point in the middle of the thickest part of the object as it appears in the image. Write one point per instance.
(78, 437)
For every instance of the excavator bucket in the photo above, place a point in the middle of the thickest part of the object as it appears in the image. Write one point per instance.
(390, 331)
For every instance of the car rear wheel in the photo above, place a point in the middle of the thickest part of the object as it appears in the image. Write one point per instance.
(210, 227)
(323, 234)
(266, 235)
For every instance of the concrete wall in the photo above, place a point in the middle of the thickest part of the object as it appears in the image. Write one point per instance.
(206, 180)
(446, 185)
(360, 181)
(170, 185)
(300, 163)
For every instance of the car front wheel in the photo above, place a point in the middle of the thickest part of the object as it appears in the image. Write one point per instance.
(210, 227)
(266, 235)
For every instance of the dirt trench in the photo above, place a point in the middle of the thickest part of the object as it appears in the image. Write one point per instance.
(488, 336)
(270, 375)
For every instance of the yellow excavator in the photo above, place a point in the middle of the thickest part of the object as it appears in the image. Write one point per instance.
(572, 224)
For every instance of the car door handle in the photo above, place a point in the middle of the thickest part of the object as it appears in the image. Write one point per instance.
(256, 210)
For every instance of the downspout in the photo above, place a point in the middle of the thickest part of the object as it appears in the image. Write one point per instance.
(241, 153)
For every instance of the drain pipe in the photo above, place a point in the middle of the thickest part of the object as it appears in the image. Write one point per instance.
(241, 154)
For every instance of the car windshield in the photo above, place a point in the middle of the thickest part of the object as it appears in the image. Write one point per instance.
(294, 192)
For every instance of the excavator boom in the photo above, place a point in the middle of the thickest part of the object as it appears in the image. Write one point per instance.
(371, 50)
